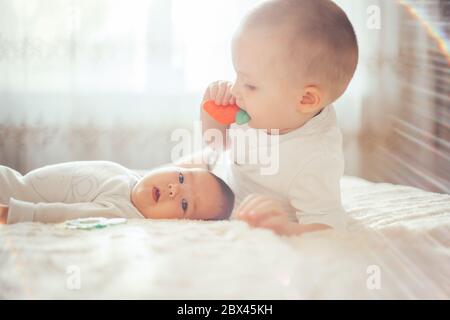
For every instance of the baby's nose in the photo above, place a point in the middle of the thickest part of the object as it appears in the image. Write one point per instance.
(173, 189)
(233, 90)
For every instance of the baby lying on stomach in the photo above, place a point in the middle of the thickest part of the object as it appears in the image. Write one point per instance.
(82, 189)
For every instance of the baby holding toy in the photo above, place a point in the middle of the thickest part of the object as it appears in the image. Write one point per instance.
(293, 59)
(85, 189)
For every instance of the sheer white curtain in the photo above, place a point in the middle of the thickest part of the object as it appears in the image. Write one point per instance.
(106, 79)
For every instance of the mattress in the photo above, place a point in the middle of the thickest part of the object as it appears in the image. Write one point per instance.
(397, 246)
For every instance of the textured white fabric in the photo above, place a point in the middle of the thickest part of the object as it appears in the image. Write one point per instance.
(403, 231)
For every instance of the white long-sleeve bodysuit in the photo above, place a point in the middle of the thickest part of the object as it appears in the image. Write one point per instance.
(70, 190)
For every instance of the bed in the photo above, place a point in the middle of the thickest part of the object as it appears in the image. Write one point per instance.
(397, 247)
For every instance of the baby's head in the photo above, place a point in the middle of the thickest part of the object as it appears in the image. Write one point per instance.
(292, 58)
(180, 193)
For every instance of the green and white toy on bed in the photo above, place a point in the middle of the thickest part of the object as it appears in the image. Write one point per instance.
(93, 223)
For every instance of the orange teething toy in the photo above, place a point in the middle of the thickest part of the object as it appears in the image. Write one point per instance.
(227, 114)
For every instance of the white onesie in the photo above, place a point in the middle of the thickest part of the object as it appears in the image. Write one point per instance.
(70, 190)
(307, 180)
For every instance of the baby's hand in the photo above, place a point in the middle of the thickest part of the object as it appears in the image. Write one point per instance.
(3, 213)
(220, 92)
(265, 212)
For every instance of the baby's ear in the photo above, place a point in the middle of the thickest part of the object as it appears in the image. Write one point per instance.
(311, 100)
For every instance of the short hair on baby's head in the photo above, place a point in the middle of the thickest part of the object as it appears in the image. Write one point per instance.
(322, 43)
(226, 203)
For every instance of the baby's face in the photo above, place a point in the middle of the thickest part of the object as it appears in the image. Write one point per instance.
(262, 86)
(177, 193)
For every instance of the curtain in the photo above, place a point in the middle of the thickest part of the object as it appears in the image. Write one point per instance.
(103, 79)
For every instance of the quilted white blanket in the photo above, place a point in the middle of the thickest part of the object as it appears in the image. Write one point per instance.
(397, 246)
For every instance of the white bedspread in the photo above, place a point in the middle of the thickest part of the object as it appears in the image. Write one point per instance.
(397, 246)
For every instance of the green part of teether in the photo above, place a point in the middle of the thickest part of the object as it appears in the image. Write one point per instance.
(242, 117)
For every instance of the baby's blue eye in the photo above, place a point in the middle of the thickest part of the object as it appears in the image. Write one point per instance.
(184, 205)
(181, 178)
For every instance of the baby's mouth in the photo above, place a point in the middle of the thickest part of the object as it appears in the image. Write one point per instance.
(155, 194)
